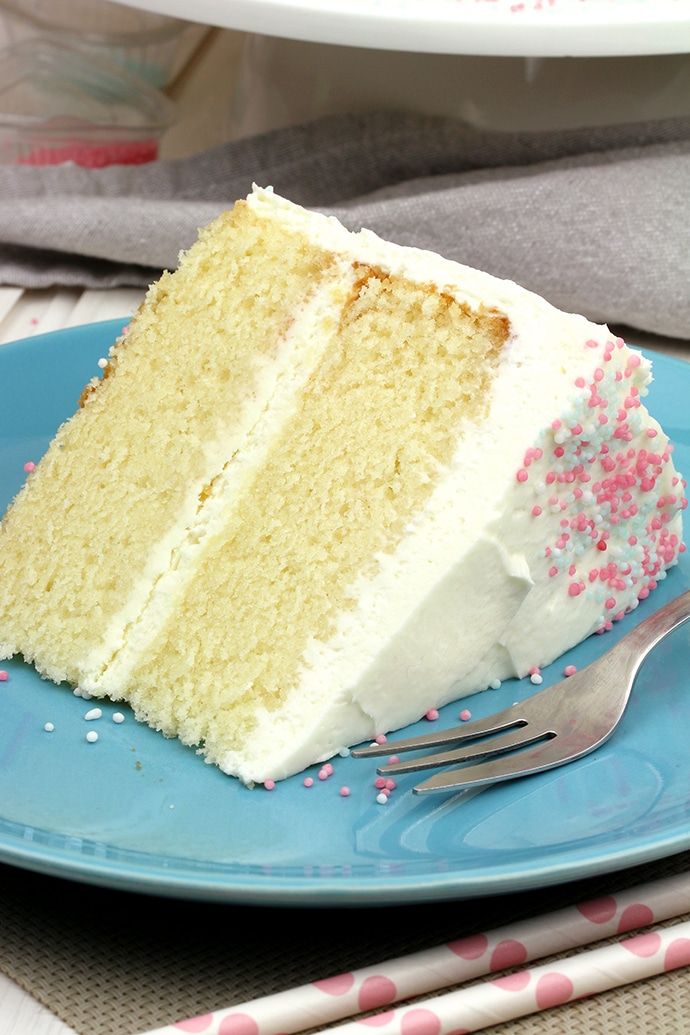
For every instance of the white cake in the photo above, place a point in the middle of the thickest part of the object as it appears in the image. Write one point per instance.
(328, 484)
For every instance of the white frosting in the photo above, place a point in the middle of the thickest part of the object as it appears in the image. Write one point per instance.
(466, 597)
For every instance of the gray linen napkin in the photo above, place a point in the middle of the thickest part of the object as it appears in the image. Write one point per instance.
(596, 220)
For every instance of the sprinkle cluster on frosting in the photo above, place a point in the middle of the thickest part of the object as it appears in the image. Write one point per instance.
(599, 470)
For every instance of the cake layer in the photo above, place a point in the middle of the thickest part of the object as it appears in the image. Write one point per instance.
(125, 477)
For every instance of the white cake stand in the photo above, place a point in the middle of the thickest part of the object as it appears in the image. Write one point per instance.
(500, 64)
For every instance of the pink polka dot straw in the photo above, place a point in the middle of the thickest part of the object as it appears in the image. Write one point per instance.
(503, 997)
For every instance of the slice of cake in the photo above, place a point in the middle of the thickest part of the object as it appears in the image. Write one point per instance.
(328, 483)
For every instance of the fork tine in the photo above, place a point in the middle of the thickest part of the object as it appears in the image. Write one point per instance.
(495, 723)
(521, 737)
(552, 753)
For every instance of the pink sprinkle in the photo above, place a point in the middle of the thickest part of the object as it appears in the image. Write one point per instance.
(465, 714)
(569, 670)
(29, 466)
(327, 768)
(380, 738)
(598, 374)
(390, 784)
(522, 475)
(344, 792)
(270, 785)
(536, 511)
(308, 781)
(393, 760)
(534, 670)
(323, 774)
(379, 783)
(553, 570)
(555, 424)
(559, 451)
(580, 382)
(4, 676)
(432, 714)
(610, 603)
(591, 344)
(574, 589)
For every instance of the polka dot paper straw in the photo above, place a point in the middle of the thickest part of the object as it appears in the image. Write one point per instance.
(528, 991)
(347, 995)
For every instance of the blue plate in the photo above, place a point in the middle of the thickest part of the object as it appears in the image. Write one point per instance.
(137, 811)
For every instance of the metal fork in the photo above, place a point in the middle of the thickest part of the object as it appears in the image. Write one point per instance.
(563, 722)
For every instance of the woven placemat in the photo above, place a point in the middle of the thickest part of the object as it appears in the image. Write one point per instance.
(114, 963)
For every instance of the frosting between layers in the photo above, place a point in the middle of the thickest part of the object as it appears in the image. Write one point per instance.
(232, 463)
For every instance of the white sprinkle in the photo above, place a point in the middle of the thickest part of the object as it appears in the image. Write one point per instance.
(344, 752)
(77, 691)
(382, 798)
(536, 679)
(49, 727)
(93, 713)
(92, 736)
(118, 717)
(103, 363)
(495, 684)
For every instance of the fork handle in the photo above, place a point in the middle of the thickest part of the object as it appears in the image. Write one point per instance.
(647, 634)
